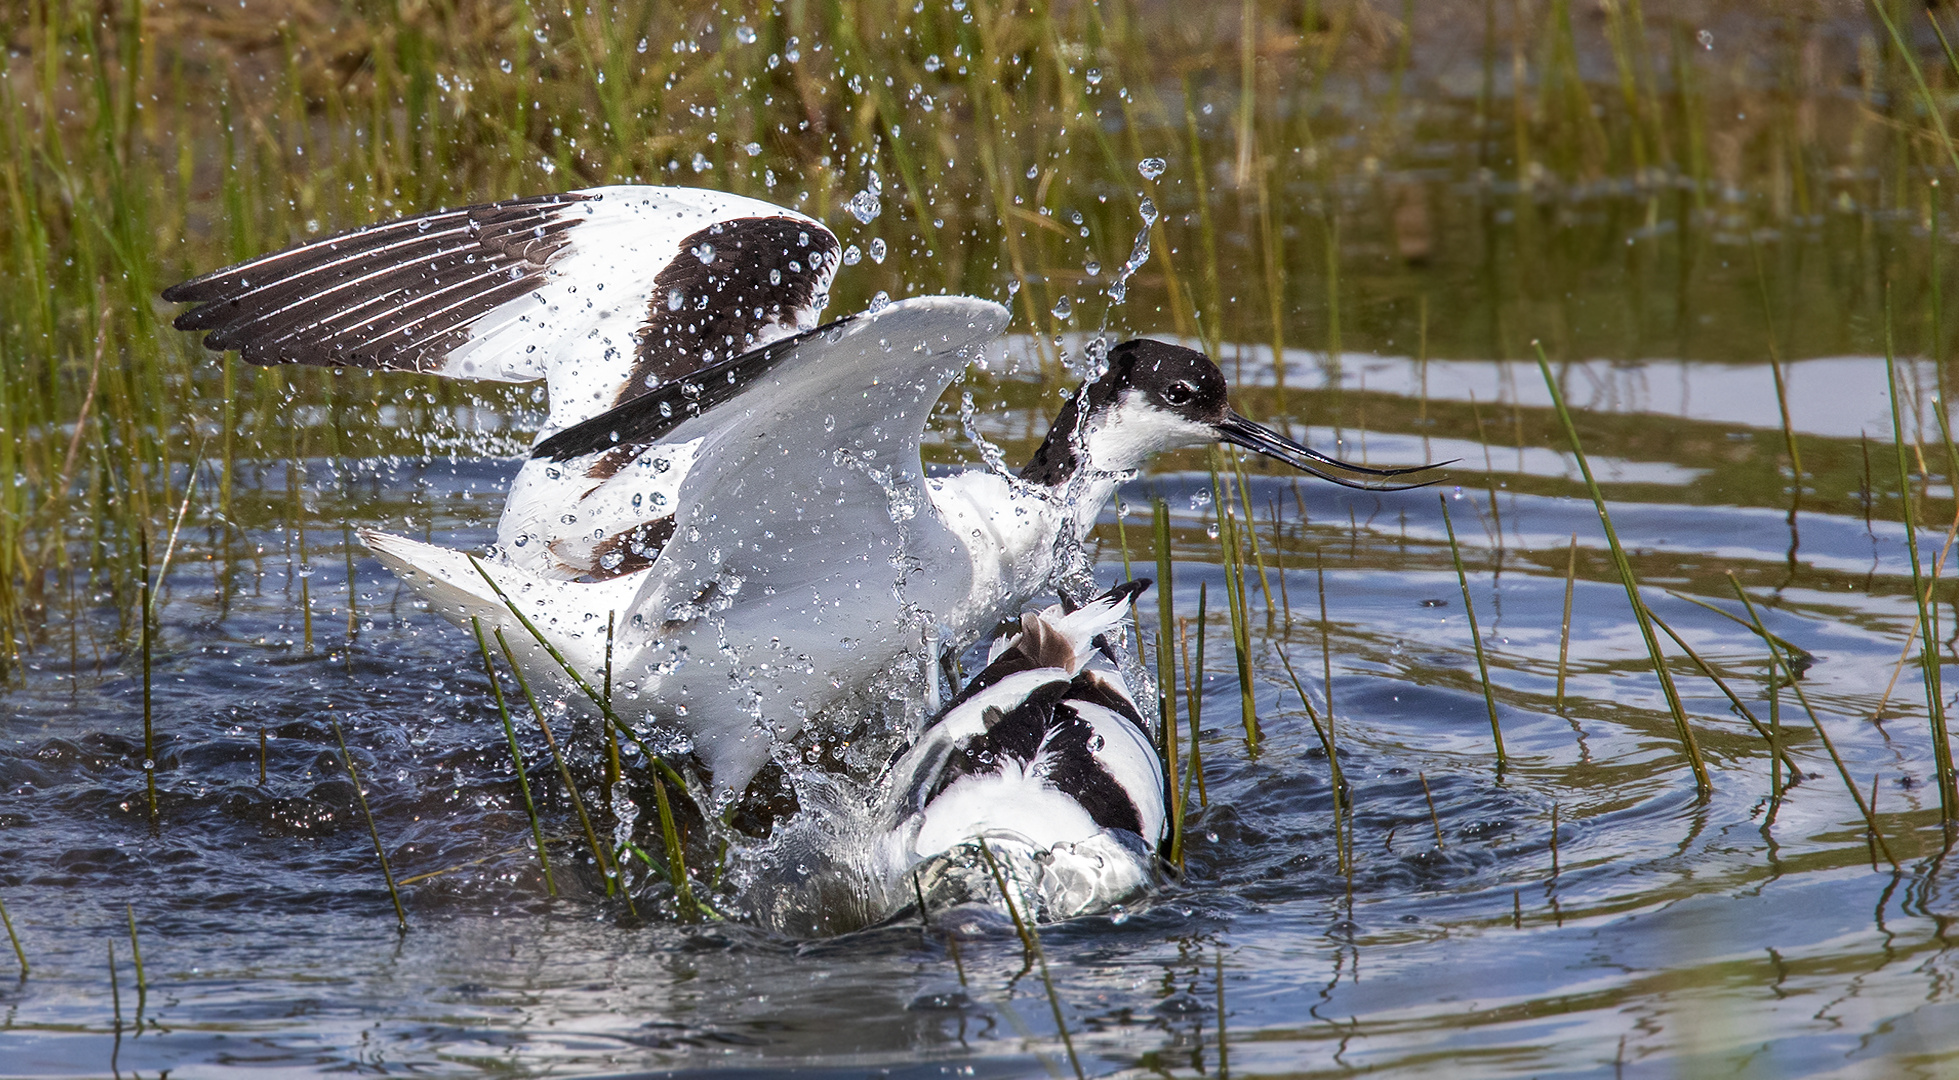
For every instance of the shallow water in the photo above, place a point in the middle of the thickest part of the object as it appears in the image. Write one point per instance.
(1578, 912)
(1662, 935)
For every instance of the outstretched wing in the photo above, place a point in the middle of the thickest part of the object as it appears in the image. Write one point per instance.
(805, 506)
(606, 293)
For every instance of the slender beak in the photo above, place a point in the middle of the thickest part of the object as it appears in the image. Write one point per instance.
(1258, 438)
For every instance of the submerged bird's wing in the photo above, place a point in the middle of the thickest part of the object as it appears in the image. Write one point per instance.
(606, 292)
(803, 518)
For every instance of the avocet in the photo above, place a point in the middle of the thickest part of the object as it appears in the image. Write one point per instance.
(735, 489)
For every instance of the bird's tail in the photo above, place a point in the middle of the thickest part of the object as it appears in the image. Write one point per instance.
(572, 615)
(1066, 640)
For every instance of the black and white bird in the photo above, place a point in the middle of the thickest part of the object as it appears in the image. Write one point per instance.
(731, 486)
(1045, 759)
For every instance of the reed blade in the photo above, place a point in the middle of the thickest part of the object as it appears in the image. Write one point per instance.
(1921, 591)
(516, 755)
(1779, 663)
(1688, 744)
(1476, 638)
(374, 833)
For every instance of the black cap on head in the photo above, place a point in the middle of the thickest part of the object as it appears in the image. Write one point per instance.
(1185, 383)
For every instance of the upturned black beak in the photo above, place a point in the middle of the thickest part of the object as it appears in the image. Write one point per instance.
(1258, 438)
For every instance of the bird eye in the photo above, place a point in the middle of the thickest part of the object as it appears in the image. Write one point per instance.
(1179, 393)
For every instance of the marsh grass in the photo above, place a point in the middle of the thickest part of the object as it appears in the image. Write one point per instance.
(516, 755)
(1929, 658)
(373, 831)
(664, 773)
(1779, 668)
(136, 959)
(1031, 941)
(13, 939)
(1564, 625)
(1770, 735)
(613, 881)
(1687, 742)
(1475, 635)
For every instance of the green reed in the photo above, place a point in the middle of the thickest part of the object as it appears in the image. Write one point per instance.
(136, 957)
(13, 938)
(1779, 668)
(1166, 673)
(1194, 675)
(1631, 582)
(1342, 799)
(1237, 461)
(516, 754)
(1921, 591)
(374, 833)
(1564, 625)
(1434, 818)
(1475, 637)
(664, 773)
(1031, 941)
(1778, 752)
(606, 870)
(115, 991)
(1231, 556)
(1931, 102)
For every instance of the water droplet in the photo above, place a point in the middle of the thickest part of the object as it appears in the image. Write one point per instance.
(700, 161)
(1092, 268)
(1033, 171)
(1152, 167)
(505, 65)
(933, 63)
(1064, 307)
(829, 423)
(864, 207)
(852, 256)
(1706, 38)
(1094, 76)
(1148, 209)
(705, 253)
(745, 34)
(881, 301)
(877, 250)
(753, 149)
(1200, 499)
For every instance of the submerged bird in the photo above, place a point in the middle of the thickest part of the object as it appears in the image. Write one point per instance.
(1045, 759)
(726, 498)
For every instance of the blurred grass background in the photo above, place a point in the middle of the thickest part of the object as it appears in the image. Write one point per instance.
(1453, 178)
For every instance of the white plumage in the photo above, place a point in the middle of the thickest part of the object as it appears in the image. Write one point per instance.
(737, 490)
(1045, 759)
